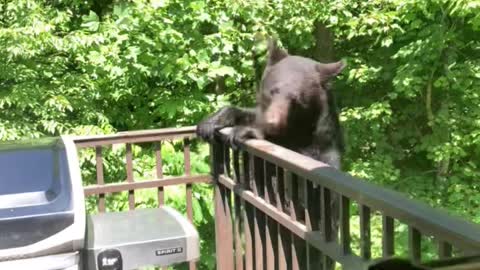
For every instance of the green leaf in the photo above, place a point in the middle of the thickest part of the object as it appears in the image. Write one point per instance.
(221, 71)
(91, 22)
(159, 3)
(387, 42)
(197, 5)
(121, 10)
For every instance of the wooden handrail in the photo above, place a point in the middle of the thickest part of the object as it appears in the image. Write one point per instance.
(139, 136)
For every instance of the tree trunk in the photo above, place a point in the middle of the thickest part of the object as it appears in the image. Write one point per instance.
(324, 41)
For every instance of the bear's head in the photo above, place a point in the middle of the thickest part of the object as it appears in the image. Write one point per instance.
(293, 89)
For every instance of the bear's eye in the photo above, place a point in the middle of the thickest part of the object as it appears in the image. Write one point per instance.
(274, 91)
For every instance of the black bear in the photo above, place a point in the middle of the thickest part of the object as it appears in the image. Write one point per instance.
(295, 109)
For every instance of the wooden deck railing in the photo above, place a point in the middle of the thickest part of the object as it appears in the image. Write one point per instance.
(100, 189)
(271, 206)
(272, 210)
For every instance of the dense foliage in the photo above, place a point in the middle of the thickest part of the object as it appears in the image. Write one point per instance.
(409, 98)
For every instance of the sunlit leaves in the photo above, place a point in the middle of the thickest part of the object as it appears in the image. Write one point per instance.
(221, 71)
(91, 21)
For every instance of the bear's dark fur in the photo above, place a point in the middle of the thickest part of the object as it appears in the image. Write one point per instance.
(295, 109)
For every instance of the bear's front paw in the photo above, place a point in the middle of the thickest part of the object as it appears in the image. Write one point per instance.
(241, 134)
(207, 130)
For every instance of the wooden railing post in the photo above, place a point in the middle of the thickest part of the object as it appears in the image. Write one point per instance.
(238, 202)
(159, 170)
(223, 232)
(100, 181)
(388, 236)
(131, 192)
(248, 214)
(188, 187)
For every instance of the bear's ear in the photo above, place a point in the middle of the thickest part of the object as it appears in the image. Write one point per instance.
(330, 70)
(275, 54)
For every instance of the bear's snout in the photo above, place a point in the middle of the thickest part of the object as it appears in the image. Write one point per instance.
(275, 120)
